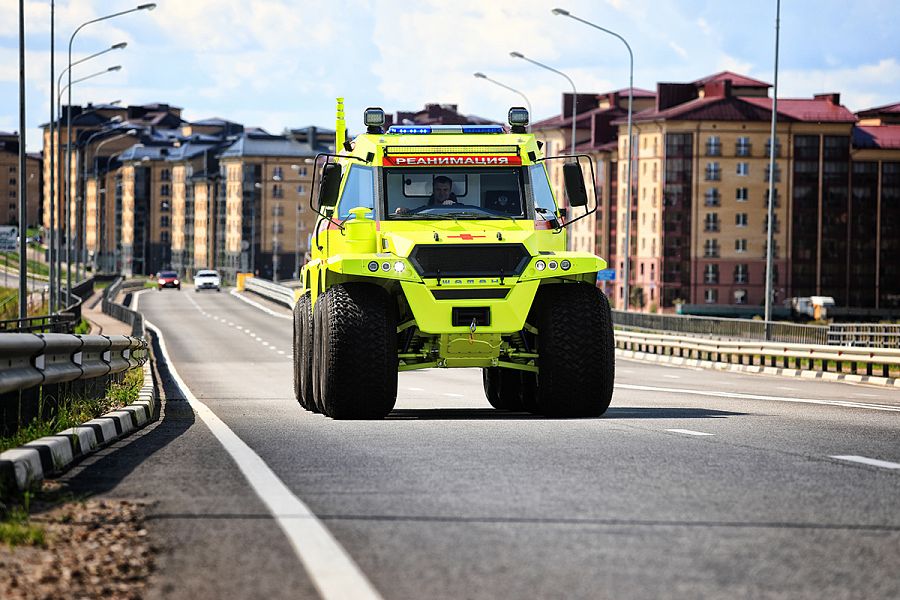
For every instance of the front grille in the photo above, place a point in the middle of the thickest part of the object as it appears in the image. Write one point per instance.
(470, 294)
(469, 260)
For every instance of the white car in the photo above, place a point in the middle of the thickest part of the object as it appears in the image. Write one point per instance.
(207, 280)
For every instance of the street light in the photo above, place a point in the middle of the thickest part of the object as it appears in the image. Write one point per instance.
(67, 167)
(770, 227)
(572, 83)
(480, 75)
(565, 13)
(149, 6)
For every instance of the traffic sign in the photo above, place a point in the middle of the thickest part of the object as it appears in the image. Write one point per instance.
(606, 275)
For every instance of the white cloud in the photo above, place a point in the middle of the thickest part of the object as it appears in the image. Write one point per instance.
(678, 50)
(861, 87)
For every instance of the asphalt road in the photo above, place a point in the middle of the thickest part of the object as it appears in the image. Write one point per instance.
(695, 484)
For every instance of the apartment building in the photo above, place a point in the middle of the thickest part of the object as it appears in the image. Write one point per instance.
(268, 219)
(9, 182)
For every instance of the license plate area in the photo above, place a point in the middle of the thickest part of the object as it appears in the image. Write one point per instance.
(462, 316)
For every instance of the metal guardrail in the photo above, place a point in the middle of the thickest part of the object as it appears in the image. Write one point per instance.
(28, 360)
(766, 353)
(865, 334)
(123, 313)
(740, 329)
(270, 290)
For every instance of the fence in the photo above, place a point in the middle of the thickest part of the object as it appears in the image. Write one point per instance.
(62, 322)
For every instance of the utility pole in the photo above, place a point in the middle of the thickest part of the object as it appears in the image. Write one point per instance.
(23, 205)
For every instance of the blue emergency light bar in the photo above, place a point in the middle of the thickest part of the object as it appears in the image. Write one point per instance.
(426, 129)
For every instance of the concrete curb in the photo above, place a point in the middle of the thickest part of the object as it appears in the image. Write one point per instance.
(720, 366)
(48, 456)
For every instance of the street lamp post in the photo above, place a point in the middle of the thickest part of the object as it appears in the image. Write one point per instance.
(23, 206)
(569, 79)
(480, 75)
(52, 233)
(149, 6)
(625, 267)
(770, 254)
(67, 167)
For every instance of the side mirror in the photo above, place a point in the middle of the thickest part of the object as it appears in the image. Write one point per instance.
(575, 189)
(329, 185)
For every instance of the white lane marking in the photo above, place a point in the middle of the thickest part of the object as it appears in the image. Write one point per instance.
(672, 376)
(416, 389)
(239, 328)
(263, 343)
(739, 396)
(784, 387)
(230, 324)
(689, 432)
(330, 568)
(866, 395)
(454, 395)
(259, 306)
(869, 461)
(281, 352)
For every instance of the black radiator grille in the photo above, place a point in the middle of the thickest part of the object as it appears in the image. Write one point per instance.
(469, 260)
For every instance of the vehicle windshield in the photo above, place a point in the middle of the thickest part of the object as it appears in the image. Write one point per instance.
(207, 274)
(455, 193)
(168, 274)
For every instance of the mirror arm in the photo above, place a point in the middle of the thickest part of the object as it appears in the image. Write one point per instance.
(312, 188)
(593, 185)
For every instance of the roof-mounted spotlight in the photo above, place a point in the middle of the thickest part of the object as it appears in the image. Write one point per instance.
(374, 119)
(518, 119)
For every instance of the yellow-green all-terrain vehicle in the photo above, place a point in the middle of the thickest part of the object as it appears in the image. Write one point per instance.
(443, 246)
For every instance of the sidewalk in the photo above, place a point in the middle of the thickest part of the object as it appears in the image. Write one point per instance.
(92, 312)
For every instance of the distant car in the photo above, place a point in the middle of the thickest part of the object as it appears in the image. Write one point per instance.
(207, 280)
(167, 279)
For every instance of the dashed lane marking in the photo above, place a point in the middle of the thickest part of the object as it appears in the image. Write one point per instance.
(454, 395)
(330, 568)
(412, 389)
(874, 462)
(740, 396)
(689, 432)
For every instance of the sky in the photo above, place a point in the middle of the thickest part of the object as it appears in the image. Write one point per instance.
(281, 63)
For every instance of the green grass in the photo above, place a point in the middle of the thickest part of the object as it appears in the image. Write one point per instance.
(11, 259)
(83, 327)
(17, 530)
(76, 409)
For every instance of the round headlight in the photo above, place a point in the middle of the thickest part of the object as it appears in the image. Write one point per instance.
(552, 265)
(565, 265)
(386, 266)
(373, 266)
(540, 265)
(399, 266)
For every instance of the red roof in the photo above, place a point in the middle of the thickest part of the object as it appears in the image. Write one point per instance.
(880, 110)
(638, 93)
(736, 80)
(801, 109)
(876, 136)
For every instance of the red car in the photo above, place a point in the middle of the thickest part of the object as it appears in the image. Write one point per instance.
(167, 279)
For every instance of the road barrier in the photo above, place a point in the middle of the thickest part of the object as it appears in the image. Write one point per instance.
(270, 290)
(32, 359)
(818, 357)
(120, 312)
(61, 322)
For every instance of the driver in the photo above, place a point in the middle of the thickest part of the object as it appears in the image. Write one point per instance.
(441, 195)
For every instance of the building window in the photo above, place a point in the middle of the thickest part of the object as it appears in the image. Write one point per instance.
(12, 181)
(711, 296)
(277, 173)
(713, 146)
(775, 224)
(740, 194)
(774, 249)
(740, 296)
(164, 221)
(12, 169)
(740, 219)
(777, 199)
(712, 222)
(740, 273)
(742, 146)
(278, 210)
(12, 193)
(301, 189)
(711, 249)
(278, 228)
(302, 171)
(743, 168)
(712, 197)
(769, 147)
(777, 173)
(713, 172)
(165, 175)
(164, 189)
(164, 206)
(164, 237)
(277, 191)
(740, 245)
(711, 274)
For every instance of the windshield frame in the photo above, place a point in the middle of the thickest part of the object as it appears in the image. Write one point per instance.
(522, 180)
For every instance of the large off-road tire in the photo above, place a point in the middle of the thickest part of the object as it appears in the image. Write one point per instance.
(303, 353)
(576, 350)
(356, 343)
(503, 388)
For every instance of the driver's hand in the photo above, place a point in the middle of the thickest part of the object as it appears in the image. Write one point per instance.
(401, 210)
(448, 203)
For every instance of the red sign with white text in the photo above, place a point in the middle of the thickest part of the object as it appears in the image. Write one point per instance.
(450, 160)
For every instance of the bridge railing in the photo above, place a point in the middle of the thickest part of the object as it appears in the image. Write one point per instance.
(270, 290)
(123, 313)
